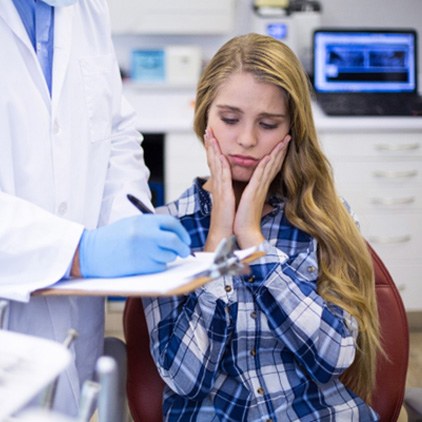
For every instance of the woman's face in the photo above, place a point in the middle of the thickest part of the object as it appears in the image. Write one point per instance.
(248, 118)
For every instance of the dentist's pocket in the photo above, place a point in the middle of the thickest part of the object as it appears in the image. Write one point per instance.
(96, 76)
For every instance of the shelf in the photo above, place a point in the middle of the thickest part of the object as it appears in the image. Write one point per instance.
(158, 86)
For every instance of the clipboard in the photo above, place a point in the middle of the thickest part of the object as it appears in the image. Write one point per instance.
(181, 277)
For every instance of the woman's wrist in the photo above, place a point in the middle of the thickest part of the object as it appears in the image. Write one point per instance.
(216, 234)
(212, 242)
(248, 240)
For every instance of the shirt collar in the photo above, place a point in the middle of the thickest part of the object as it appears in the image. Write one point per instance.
(204, 197)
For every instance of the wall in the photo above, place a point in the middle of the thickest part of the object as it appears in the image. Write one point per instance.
(373, 12)
(376, 13)
(394, 13)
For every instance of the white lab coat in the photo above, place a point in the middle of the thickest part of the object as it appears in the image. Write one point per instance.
(66, 162)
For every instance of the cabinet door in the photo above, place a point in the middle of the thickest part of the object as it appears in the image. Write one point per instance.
(408, 281)
(380, 185)
(380, 175)
(185, 159)
(358, 146)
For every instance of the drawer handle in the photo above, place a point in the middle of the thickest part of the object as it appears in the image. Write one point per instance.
(397, 147)
(391, 239)
(393, 201)
(395, 174)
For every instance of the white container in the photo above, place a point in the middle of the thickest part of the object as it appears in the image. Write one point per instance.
(295, 30)
(183, 64)
(276, 23)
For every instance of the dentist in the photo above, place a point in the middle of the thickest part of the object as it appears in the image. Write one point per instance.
(70, 153)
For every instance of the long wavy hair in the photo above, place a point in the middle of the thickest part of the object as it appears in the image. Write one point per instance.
(346, 276)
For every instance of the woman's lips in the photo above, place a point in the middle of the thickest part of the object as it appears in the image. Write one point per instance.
(243, 161)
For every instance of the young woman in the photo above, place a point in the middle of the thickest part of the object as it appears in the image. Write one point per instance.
(296, 340)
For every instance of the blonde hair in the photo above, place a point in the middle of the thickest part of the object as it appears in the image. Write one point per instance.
(305, 181)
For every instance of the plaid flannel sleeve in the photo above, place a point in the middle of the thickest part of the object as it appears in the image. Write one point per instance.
(188, 337)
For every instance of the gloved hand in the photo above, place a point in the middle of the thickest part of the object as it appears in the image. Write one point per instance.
(134, 245)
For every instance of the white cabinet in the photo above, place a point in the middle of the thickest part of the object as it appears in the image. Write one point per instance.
(172, 16)
(378, 170)
(184, 159)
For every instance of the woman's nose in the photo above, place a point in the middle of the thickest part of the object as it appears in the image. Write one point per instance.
(247, 138)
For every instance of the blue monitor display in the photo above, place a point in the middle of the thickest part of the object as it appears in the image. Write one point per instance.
(365, 61)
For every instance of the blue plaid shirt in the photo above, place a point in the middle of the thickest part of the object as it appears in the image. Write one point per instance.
(258, 347)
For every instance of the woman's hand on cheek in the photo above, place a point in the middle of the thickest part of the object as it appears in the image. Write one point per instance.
(269, 169)
(247, 225)
(223, 207)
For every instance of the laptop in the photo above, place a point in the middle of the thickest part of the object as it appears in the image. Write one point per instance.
(366, 72)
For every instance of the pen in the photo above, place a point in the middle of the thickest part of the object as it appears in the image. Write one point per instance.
(138, 204)
(142, 207)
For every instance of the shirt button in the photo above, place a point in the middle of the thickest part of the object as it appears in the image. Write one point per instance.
(260, 390)
(228, 289)
(251, 279)
(253, 315)
(253, 352)
(62, 208)
(311, 269)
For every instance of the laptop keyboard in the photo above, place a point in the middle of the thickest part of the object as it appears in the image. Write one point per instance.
(370, 105)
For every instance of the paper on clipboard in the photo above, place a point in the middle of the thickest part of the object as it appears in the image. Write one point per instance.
(182, 276)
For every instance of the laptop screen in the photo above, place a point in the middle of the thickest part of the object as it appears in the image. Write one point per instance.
(365, 60)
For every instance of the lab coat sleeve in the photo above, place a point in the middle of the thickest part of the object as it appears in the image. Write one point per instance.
(127, 171)
(36, 247)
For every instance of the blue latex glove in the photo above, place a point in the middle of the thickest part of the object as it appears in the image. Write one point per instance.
(134, 245)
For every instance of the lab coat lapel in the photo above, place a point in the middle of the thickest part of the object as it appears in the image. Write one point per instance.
(63, 27)
(11, 18)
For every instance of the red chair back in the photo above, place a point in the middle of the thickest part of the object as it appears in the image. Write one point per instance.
(388, 395)
(144, 384)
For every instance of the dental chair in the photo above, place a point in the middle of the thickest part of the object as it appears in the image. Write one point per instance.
(145, 387)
